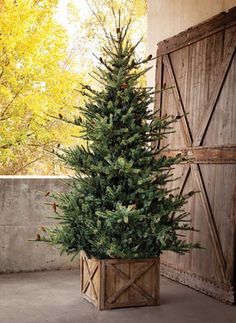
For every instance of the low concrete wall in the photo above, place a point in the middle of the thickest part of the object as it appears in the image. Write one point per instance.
(22, 213)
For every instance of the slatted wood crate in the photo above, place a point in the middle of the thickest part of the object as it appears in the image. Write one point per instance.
(113, 283)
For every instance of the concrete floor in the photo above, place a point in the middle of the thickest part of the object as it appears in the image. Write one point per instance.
(54, 297)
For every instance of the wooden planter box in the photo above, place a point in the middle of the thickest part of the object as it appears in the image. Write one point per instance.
(112, 283)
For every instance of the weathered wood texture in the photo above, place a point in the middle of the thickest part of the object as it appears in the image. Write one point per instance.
(199, 67)
(193, 34)
(113, 283)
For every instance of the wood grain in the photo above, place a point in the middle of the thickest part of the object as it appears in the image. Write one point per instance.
(206, 155)
(180, 108)
(113, 283)
(218, 23)
(200, 66)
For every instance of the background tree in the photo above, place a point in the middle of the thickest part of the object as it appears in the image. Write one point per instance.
(40, 69)
(34, 83)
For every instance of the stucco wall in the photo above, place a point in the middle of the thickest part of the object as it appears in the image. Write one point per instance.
(167, 18)
(22, 213)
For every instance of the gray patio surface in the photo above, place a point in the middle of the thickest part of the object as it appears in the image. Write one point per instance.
(54, 297)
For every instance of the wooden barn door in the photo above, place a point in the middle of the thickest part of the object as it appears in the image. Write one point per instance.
(198, 70)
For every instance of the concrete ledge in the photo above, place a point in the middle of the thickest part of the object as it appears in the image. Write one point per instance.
(22, 213)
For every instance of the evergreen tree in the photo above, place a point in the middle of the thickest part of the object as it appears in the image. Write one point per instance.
(118, 204)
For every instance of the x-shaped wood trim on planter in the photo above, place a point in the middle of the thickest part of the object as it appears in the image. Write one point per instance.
(130, 282)
(90, 278)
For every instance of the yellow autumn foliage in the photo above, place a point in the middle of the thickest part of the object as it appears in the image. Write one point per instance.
(34, 83)
(40, 72)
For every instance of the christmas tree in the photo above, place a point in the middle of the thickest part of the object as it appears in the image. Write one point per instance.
(119, 205)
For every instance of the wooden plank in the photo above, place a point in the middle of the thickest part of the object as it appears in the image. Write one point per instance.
(232, 241)
(123, 297)
(220, 183)
(210, 106)
(156, 294)
(132, 304)
(221, 129)
(81, 266)
(158, 84)
(102, 290)
(110, 283)
(180, 64)
(205, 58)
(90, 278)
(90, 282)
(210, 221)
(206, 155)
(205, 29)
(169, 107)
(184, 178)
(158, 92)
(180, 108)
(132, 291)
(124, 261)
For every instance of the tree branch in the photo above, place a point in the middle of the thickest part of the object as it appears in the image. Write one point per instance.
(33, 161)
(12, 100)
(1, 74)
